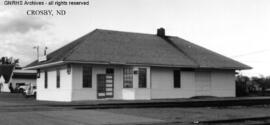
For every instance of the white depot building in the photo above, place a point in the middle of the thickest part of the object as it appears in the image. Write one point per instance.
(107, 64)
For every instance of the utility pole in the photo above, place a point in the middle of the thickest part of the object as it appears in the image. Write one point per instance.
(45, 50)
(37, 48)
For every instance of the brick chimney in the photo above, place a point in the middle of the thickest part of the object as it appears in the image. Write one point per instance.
(161, 32)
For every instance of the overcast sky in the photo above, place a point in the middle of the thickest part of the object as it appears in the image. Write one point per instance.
(235, 28)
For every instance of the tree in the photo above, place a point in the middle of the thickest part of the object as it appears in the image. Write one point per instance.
(10, 60)
(263, 82)
(241, 85)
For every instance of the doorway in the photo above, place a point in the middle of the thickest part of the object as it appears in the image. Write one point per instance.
(105, 84)
(203, 83)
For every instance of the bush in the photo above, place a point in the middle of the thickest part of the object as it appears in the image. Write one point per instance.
(241, 86)
(255, 86)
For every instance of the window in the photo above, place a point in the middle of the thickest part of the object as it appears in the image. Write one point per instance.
(128, 78)
(57, 78)
(142, 77)
(38, 73)
(87, 76)
(177, 78)
(46, 80)
(109, 71)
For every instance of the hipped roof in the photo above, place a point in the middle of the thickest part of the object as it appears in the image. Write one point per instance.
(126, 48)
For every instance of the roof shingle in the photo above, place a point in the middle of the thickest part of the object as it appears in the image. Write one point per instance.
(135, 48)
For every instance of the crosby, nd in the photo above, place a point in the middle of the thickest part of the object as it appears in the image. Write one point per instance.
(39, 12)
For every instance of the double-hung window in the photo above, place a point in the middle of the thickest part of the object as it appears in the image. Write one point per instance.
(177, 79)
(45, 79)
(128, 77)
(87, 76)
(142, 78)
(58, 78)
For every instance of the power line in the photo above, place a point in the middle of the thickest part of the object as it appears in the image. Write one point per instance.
(251, 53)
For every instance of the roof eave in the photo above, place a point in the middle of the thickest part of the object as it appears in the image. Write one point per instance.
(233, 68)
(129, 63)
(132, 64)
(157, 65)
(44, 65)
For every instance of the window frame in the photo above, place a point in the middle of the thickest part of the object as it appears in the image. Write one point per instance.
(87, 76)
(144, 84)
(109, 71)
(177, 78)
(58, 78)
(45, 79)
(128, 77)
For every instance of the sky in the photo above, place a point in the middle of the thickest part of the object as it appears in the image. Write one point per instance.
(238, 29)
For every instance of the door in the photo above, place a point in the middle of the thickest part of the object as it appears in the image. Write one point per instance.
(105, 85)
(109, 82)
(203, 83)
(101, 82)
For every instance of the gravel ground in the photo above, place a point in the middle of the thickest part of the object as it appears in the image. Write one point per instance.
(15, 109)
(189, 115)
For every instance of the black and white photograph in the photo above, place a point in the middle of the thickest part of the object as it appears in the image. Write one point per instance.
(134, 62)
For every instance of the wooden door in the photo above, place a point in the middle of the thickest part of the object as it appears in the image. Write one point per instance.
(203, 83)
(105, 86)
